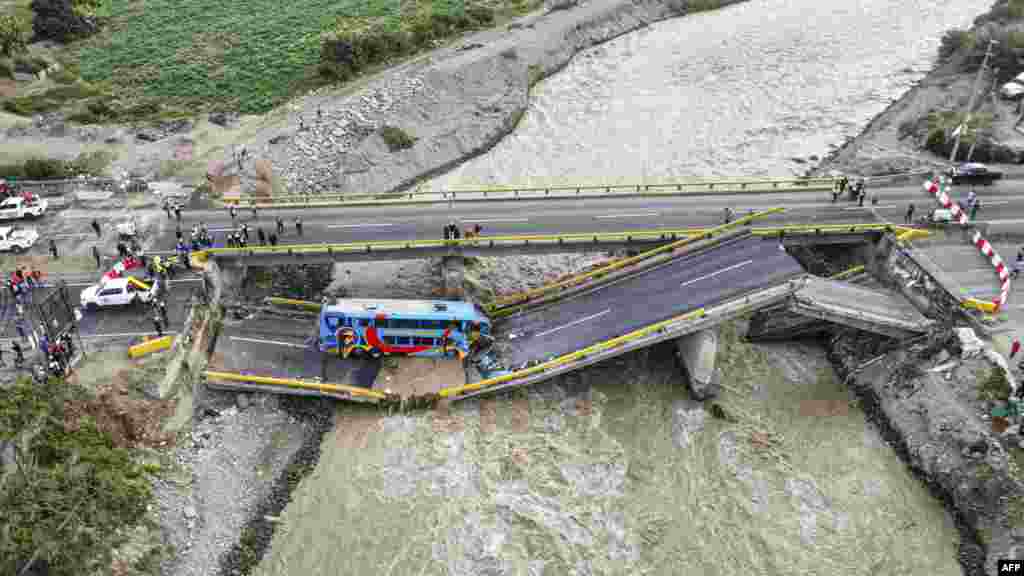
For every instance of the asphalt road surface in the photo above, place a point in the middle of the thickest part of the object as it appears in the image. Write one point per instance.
(285, 348)
(632, 303)
(126, 322)
(378, 223)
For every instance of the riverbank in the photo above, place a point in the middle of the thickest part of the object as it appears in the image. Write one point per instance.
(453, 103)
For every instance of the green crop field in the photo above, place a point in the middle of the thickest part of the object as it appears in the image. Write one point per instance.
(249, 56)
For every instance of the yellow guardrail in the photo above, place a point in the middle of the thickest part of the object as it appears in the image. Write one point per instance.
(292, 249)
(847, 273)
(150, 346)
(982, 305)
(301, 384)
(571, 357)
(690, 186)
(293, 302)
(138, 283)
(913, 234)
(530, 294)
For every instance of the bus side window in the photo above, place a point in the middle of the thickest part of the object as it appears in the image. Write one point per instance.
(364, 321)
(347, 322)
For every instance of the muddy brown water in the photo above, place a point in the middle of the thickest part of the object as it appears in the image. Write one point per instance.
(632, 477)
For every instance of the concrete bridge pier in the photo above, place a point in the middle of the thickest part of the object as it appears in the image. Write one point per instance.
(232, 280)
(696, 353)
(453, 272)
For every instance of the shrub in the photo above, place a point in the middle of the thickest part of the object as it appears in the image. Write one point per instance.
(42, 168)
(62, 20)
(480, 15)
(396, 138)
(995, 386)
(952, 41)
(14, 34)
(936, 141)
(72, 492)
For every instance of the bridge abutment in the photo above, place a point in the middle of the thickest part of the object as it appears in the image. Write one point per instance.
(697, 353)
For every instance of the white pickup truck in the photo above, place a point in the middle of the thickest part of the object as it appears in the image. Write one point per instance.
(16, 239)
(18, 207)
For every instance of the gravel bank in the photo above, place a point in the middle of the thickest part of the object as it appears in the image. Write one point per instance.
(457, 102)
(938, 426)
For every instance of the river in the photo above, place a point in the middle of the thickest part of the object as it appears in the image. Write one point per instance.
(627, 475)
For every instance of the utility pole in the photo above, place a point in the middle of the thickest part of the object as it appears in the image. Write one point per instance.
(970, 103)
(995, 78)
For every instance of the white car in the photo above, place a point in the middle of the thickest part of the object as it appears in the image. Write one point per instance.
(17, 207)
(16, 239)
(118, 292)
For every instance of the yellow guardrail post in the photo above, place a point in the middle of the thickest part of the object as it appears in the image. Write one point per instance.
(150, 346)
(316, 306)
(571, 357)
(637, 235)
(299, 384)
(530, 294)
(847, 273)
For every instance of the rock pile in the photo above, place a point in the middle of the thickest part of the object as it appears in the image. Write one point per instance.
(312, 164)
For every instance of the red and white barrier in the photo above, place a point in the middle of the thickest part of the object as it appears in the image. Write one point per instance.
(940, 190)
(941, 193)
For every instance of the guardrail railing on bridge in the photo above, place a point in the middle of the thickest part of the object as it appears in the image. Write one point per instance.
(688, 186)
(498, 241)
(667, 328)
(503, 306)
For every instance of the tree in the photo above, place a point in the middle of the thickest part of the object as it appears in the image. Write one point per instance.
(14, 34)
(62, 20)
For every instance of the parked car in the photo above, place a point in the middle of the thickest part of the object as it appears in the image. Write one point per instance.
(24, 206)
(118, 292)
(16, 239)
(974, 173)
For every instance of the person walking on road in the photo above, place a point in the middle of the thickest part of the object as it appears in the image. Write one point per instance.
(273, 239)
(448, 231)
(974, 209)
(53, 248)
(231, 211)
(245, 231)
(19, 356)
(255, 214)
(262, 236)
(728, 215)
(1014, 348)
(162, 307)
(167, 208)
(177, 212)
(157, 325)
(909, 218)
(96, 227)
(280, 226)
(96, 255)
(298, 226)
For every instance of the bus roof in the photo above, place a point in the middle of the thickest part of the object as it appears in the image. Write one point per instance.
(442, 309)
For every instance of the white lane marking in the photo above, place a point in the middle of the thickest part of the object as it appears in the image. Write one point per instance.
(994, 203)
(79, 235)
(492, 220)
(872, 206)
(376, 224)
(275, 342)
(573, 323)
(638, 215)
(716, 273)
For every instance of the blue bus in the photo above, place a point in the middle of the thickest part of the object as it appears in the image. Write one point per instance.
(376, 327)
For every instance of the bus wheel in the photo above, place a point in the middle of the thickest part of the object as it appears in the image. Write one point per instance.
(375, 354)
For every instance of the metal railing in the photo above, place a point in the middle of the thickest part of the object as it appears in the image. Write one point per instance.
(667, 327)
(689, 186)
(522, 297)
(499, 241)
